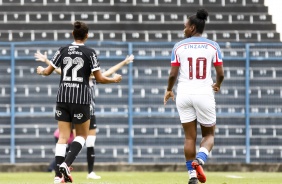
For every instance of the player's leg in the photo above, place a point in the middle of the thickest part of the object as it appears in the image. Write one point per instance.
(190, 131)
(206, 116)
(60, 151)
(75, 148)
(90, 145)
(189, 123)
(64, 126)
(81, 119)
(52, 165)
(78, 142)
(206, 145)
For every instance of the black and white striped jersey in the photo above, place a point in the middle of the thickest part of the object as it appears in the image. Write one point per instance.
(92, 84)
(76, 62)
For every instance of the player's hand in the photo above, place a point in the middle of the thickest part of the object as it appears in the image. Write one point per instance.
(129, 59)
(39, 70)
(117, 77)
(215, 87)
(40, 57)
(168, 94)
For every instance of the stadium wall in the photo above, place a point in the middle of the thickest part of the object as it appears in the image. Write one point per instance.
(134, 127)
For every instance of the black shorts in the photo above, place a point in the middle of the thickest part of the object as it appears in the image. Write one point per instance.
(75, 113)
(93, 124)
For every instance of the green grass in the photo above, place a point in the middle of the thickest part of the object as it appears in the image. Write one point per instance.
(145, 178)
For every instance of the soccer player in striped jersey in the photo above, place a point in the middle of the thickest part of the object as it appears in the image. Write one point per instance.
(77, 62)
(192, 59)
(91, 138)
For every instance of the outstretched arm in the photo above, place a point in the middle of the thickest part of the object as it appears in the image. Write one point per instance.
(43, 58)
(45, 71)
(106, 80)
(113, 69)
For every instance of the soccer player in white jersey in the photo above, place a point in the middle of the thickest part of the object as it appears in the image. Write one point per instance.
(192, 59)
(77, 62)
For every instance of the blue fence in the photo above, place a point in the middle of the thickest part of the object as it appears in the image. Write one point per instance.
(249, 69)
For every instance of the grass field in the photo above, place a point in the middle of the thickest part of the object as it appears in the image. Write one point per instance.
(145, 178)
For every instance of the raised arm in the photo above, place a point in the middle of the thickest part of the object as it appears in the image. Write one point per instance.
(43, 58)
(113, 69)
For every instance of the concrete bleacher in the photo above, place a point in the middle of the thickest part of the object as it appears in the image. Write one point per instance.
(140, 51)
(150, 144)
(155, 139)
(147, 20)
(144, 36)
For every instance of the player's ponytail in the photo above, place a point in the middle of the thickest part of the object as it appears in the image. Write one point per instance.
(77, 25)
(202, 14)
(199, 20)
(80, 30)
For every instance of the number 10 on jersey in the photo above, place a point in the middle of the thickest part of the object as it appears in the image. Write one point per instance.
(201, 67)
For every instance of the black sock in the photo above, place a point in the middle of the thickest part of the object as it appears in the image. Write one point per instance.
(75, 148)
(59, 161)
(90, 158)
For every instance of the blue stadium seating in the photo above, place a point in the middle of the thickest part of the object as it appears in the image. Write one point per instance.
(155, 138)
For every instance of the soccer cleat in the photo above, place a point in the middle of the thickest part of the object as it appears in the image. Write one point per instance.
(196, 164)
(193, 181)
(57, 179)
(92, 175)
(65, 170)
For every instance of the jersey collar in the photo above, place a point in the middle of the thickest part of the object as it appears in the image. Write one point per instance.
(74, 43)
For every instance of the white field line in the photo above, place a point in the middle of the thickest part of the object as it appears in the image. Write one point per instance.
(233, 176)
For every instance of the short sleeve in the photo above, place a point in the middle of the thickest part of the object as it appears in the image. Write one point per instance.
(217, 59)
(55, 61)
(174, 58)
(95, 65)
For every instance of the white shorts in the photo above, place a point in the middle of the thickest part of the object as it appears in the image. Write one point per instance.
(200, 107)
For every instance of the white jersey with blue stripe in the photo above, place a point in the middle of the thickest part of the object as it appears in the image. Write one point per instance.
(194, 56)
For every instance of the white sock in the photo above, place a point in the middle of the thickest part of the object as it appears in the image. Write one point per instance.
(192, 174)
(90, 141)
(60, 150)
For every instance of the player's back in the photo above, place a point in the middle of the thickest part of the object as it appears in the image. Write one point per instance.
(195, 57)
(76, 62)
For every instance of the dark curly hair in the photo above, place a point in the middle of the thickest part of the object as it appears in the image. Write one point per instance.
(199, 20)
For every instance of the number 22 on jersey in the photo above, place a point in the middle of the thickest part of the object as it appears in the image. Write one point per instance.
(68, 61)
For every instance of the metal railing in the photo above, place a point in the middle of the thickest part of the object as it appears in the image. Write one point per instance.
(241, 52)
